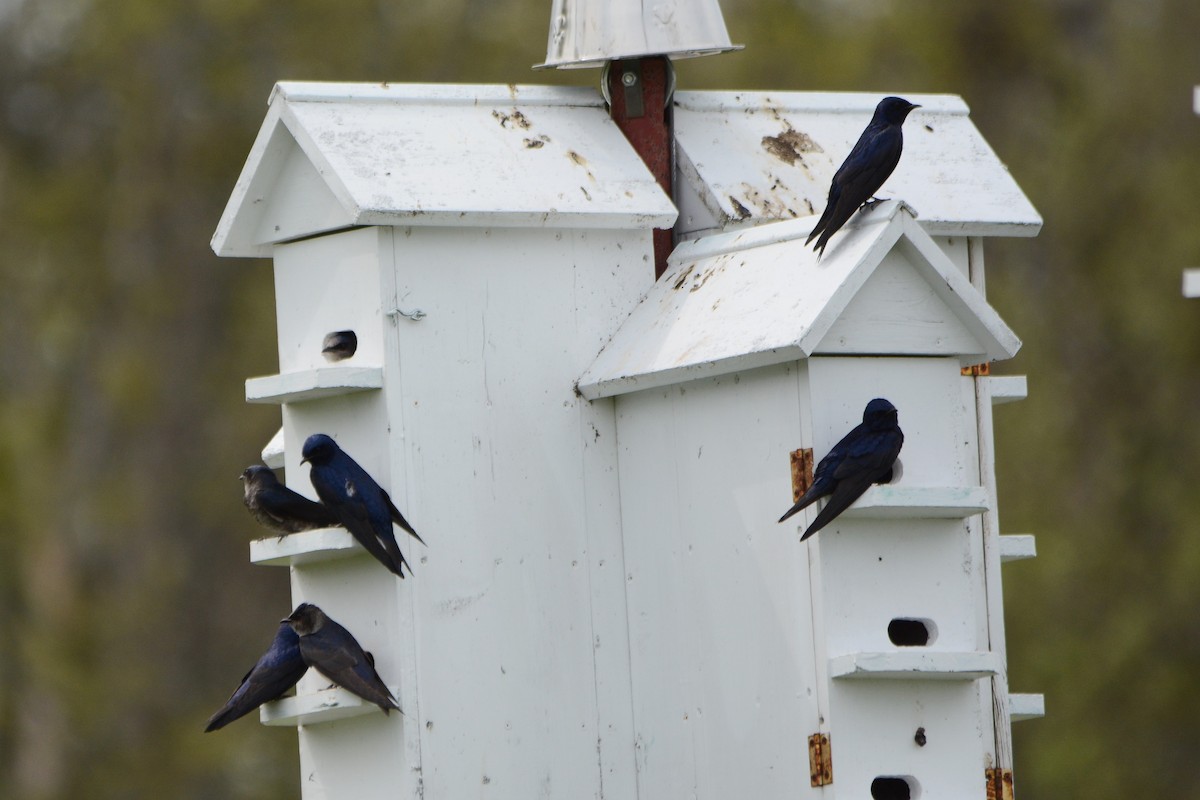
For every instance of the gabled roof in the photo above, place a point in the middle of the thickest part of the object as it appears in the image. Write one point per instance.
(757, 296)
(745, 158)
(334, 155)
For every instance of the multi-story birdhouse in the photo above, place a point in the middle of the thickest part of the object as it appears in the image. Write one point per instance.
(607, 606)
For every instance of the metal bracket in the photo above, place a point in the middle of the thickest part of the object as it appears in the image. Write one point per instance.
(415, 315)
(999, 784)
(802, 472)
(820, 759)
(631, 80)
(977, 370)
(607, 95)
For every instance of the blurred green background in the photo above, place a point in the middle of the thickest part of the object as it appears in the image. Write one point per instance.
(130, 608)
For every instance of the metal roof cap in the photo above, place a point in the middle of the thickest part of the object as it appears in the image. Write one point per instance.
(588, 33)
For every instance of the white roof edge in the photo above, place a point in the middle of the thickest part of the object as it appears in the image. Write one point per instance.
(771, 232)
(1016, 230)
(850, 102)
(550, 218)
(220, 238)
(625, 384)
(433, 93)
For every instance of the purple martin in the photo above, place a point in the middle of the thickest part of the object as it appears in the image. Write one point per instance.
(339, 345)
(864, 456)
(278, 507)
(335, 653)
(276, 672)
(358, 502)
(869, 164)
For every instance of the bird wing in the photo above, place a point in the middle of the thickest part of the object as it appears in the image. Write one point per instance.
(348, 497)
(824, 481)
(277, 671)
(831, 203)
(377, 507)
(337, 655)
(872, 454)
(869, 458)
(869, 164)
(329, 653)
(848, 490)
(287, 505)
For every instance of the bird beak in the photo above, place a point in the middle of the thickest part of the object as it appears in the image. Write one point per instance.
(285, 619)
(304, 461)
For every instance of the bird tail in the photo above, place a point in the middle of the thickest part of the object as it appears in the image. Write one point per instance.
(842, 498)
(399, 519)
(220, 719)
(806, 500)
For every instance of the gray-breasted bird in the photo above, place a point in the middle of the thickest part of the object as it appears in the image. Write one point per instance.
(278, 507)
(339, 345)
(359, 503)
(331, 650)
(871, 161)
(864, 456)
(276, 672)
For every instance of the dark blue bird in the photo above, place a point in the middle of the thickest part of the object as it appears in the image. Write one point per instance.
(276, 672)
(864, 456)
(278, 507)
(358, 502)
(332, 651)
(869, 164)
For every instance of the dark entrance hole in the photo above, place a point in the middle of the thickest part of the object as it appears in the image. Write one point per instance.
(889, 788)
(908, 632)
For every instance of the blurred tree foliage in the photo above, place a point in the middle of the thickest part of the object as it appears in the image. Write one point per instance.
(131, 610)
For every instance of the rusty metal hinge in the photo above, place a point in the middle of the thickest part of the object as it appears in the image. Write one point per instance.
(820, 759)
(999, 784)
(978, 370)
(802, 472)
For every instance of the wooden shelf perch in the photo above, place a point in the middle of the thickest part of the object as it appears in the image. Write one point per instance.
(326, 705)
(909, 665)
(306, 547)
(312, 384)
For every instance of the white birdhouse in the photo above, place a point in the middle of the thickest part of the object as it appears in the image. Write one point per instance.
(607, 607)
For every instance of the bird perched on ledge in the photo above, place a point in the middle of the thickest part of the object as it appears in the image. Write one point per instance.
(864, 456)
(333, 651)
(359, 503)
(278, 507)
(871, 161)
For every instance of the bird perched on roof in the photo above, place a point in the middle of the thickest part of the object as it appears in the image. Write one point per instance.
(864, 456)
(276, 672)
(332, 651)
(278, 507)
(869, 164)
(357, 501)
